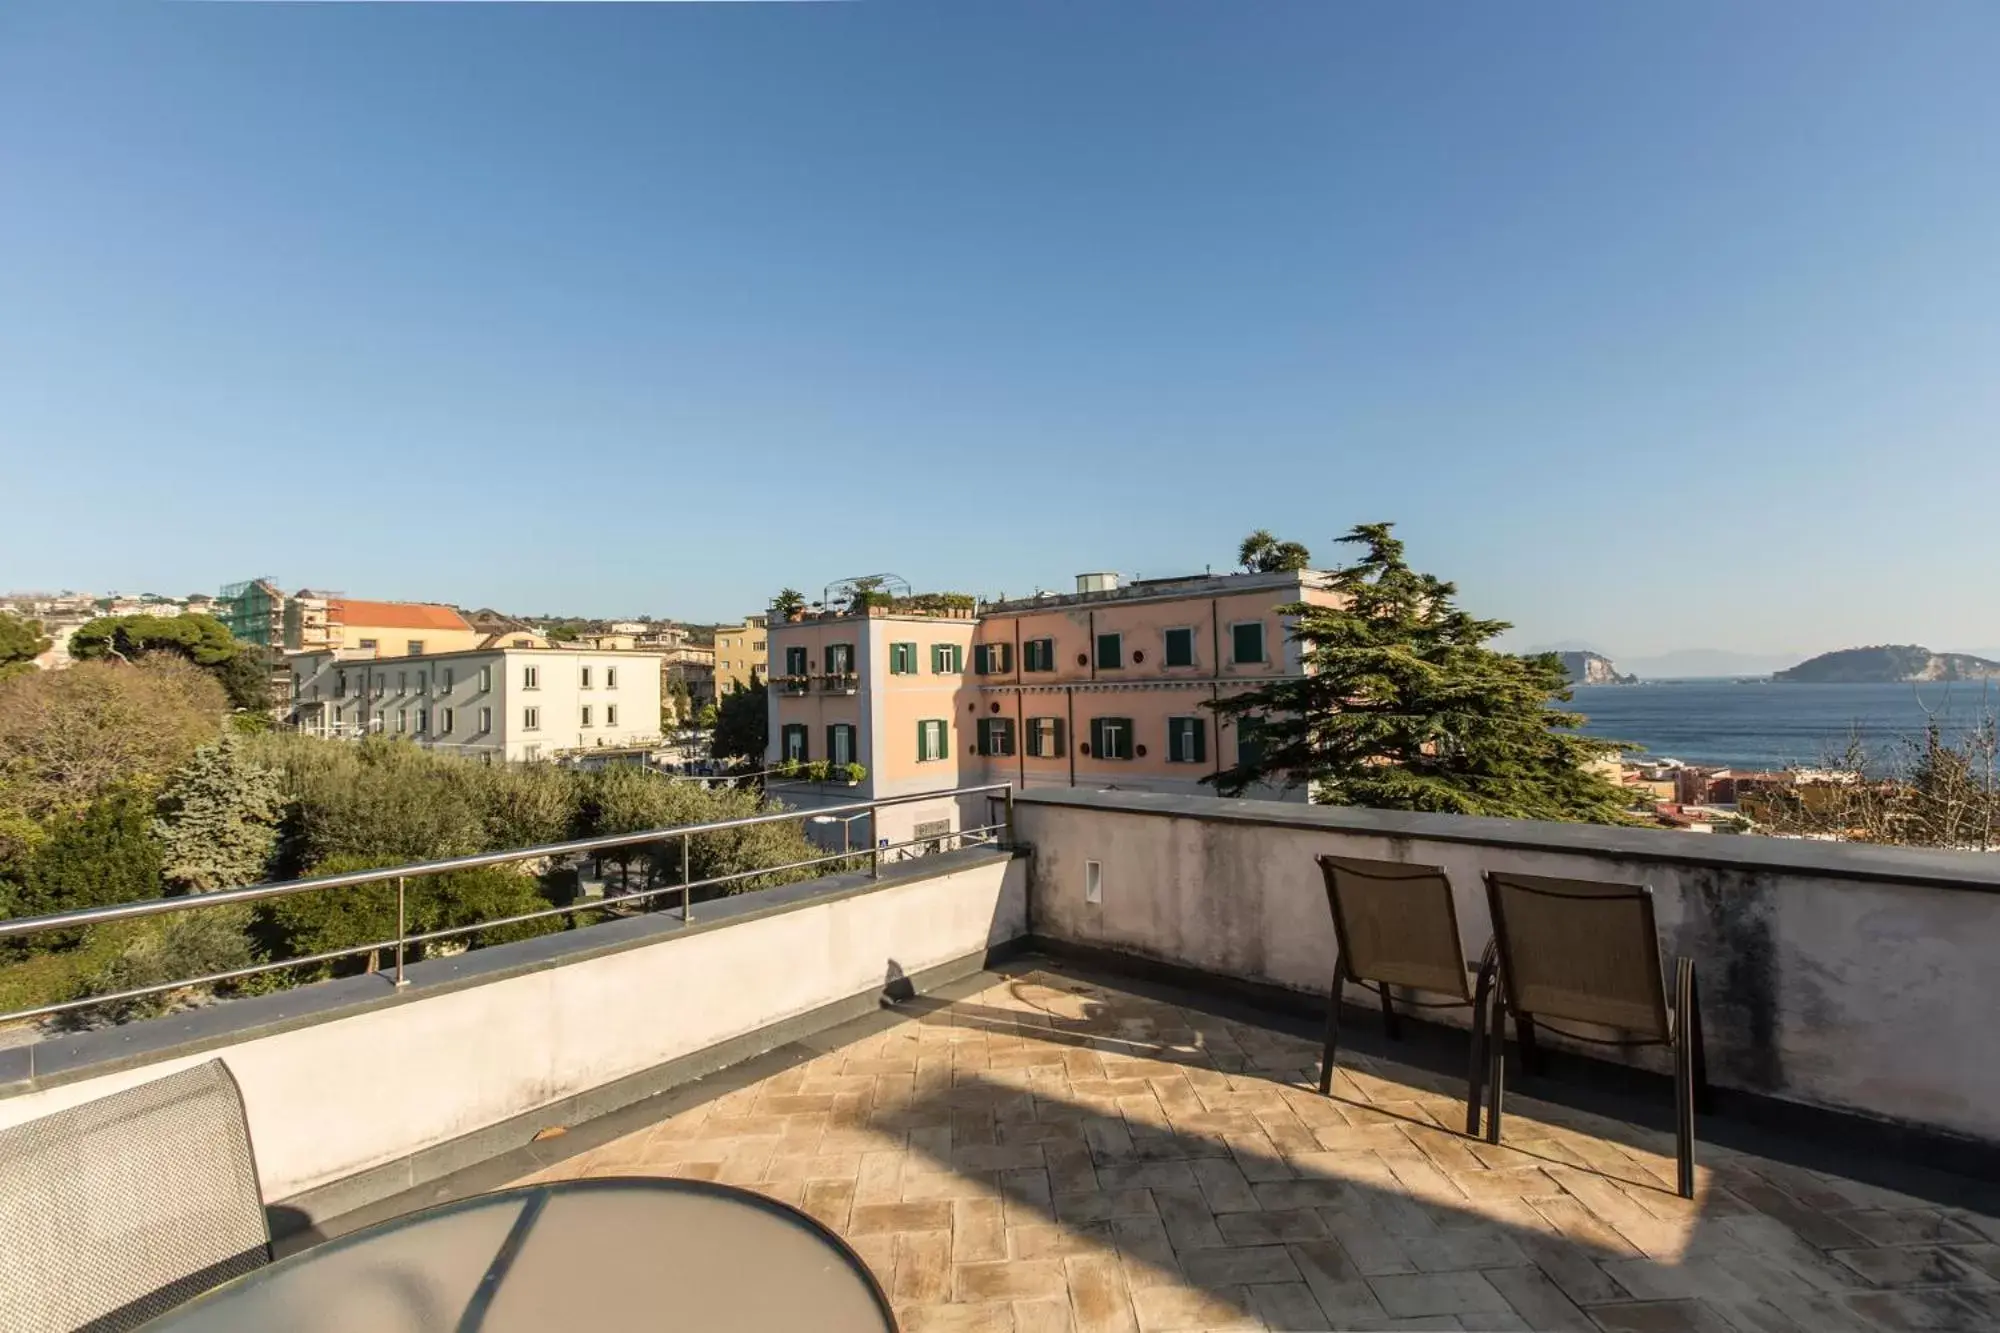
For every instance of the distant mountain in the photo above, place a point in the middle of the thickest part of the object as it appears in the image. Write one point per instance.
(1692, 662)
(1889, 663)
(1588, 668)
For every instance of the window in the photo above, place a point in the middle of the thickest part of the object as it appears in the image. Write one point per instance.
(402, 720)
(611, 715)
(902, 659)
(415, 647)
(996, 736)
(947, 659)
(381, 683)
(423, 680)
(340, 685)
(1246, 641)
(531, 678)
(1180, 647)
(1045, 737)
(585, 720)
(795, 661)
(445, 681)
(485, 720)
(368, 645)
(402, 682)
(757, 647)
(1038, 655)
(611, 678)
(993, 659)
(839, 659)
(1187, 740)
(583, 678)
(444, 722)
(423, 720)
(1249, 741)
(531, 719)
(933, 736)
(840, 743)
(1110, 651)
(485, 679)
(1111, 737)
(792, 744)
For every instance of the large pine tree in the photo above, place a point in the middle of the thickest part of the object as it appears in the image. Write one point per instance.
(1404, 707)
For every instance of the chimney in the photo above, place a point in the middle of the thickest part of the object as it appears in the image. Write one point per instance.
(1102, 581)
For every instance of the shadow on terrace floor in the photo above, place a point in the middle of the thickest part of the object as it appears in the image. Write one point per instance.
(1056, 1154)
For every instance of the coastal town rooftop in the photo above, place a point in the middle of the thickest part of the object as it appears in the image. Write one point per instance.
(1067, 1080)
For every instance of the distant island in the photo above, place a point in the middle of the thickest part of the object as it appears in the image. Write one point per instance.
(1888, 664)
(1593, 669)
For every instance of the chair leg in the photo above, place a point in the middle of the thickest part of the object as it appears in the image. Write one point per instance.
(1701, 1095)
(1684, 1049)
(1475, 1079)
(1496, 1078)
(1332, 1032)
(1524, 1037)
(1389, 1023)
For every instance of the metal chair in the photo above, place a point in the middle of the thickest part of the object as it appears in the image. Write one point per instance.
(1590, 953)
(1396, 925)
(115, 1211)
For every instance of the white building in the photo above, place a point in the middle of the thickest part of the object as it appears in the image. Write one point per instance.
(498, 703)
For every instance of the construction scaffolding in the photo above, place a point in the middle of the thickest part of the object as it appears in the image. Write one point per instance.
(254, 612)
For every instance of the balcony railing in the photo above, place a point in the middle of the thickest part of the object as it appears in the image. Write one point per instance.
(998, 833)
(793, 684)
(840, 682)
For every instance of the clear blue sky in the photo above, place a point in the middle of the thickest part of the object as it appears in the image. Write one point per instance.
(1654, 326)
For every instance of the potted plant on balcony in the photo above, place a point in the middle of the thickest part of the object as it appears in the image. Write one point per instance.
(789, 605)
(854, 773)
(789, 769)
(819, 770)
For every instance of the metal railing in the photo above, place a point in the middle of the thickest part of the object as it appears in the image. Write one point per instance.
(1000, 833)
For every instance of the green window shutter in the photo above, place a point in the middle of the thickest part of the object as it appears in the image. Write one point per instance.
(1097, 738)
(1198, 733)
(921, 756)
(1180, 647)
(1247, 641)
(1110, 651)
(1059, 738)
(1006, 664)
(832, 730)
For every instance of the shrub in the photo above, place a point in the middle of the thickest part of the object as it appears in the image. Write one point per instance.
(854, 772)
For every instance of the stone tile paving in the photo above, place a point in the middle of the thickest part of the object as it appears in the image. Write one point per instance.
(1049, 1155)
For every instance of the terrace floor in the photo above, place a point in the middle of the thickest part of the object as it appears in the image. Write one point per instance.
(1052, 1154)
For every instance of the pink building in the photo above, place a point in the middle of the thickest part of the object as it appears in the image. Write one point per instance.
(1101, 688)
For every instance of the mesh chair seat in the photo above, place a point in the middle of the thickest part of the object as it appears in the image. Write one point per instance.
(1395, 924)
(115, 1211)
(1586, 952)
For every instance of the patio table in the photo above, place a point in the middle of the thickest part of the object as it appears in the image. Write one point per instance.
(612, 1253)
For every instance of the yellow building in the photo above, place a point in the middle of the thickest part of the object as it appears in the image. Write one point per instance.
(386, 629)
(740, 657)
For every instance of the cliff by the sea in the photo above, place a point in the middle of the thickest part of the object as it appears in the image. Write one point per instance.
(1593, 669)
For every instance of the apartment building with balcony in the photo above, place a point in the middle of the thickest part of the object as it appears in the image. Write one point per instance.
(1106, 688)
(1110, 687)
(511, 704)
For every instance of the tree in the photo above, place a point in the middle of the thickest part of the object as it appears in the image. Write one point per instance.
(705, 719)
(100, 855)
(67, 737)
(1261, 553)
(243, 670)
(21, 642)
(201, 639)
(866, 592)
(742, 726)
(1402, 707)
(218, 818)
(788, 601)
(629, 800)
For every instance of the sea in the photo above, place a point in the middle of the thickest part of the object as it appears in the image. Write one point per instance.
(1767, 725)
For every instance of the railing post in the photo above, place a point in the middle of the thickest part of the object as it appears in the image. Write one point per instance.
(687, 893)
(1010, 816)
(400, 927)
(875, 842)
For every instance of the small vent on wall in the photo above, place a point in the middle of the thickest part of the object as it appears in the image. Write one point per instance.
(1093, 881)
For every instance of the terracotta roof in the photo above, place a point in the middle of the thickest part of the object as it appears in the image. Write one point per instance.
(394, 615)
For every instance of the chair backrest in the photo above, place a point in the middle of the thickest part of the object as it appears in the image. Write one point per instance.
(117, 1210)
(1395, 923)
(1577, 949)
